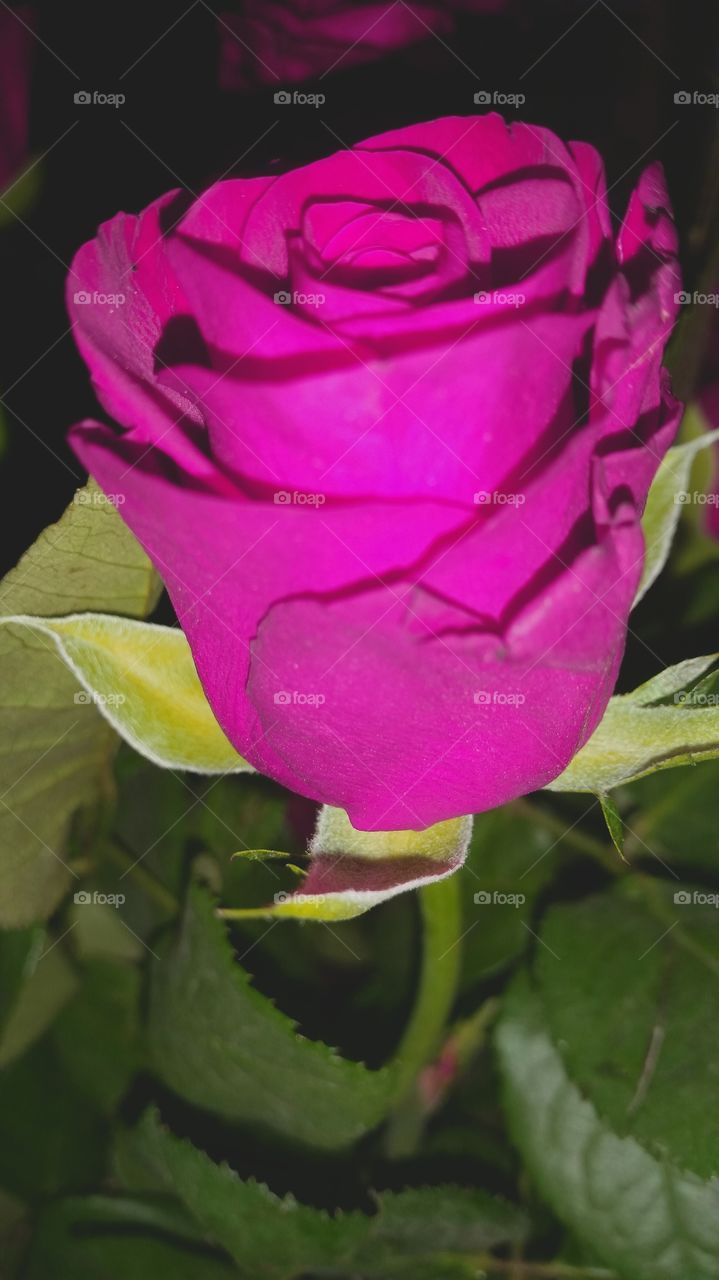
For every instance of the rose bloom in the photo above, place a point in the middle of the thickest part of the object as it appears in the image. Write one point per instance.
(16, 41)
(287, 41)
(389, 423)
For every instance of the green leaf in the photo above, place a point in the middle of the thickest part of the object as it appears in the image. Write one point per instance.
(20, 951)
(281, 1239)
(638, 735)
(511, 857)
(98, 1034)
(613, 820)
(49, 981)
(610, 1073)
(351, 871)
(56, 752)
(98, 1238)
(676, 818)
(665, 504)
(223, 1046)
(142, 679)
(267, 1236)
(51, 1138)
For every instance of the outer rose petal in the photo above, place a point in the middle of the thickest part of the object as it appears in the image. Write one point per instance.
(119, 339)
(430, 740)
(226, 559)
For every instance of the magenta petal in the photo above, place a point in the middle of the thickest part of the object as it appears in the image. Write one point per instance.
(425, 738)
(402, 535)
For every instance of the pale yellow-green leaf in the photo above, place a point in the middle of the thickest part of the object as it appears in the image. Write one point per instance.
(351, 871)
(55, 754)
(635, 737)
(667, 498)
(142, 679)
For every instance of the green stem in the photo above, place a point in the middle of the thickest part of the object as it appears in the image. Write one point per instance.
(439, 974)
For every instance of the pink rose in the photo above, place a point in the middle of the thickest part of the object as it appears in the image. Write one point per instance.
(16, 42)
(287, 41)
(390, 422)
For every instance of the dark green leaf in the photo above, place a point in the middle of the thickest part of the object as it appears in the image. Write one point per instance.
(51, 1138)
(614, 822)
(97, 1034)
(632, 1001)
(20, 950)
(222, 1045)
(610, 1072)
(512, 855)
(49, 982)
(103, 1239)
(281, 1239)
